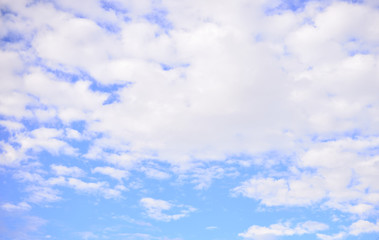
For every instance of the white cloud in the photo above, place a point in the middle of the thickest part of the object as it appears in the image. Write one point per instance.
(357, 228)
(73, 134)
(276, 192)
(258, 232)
(22, 206)
(45, 139)
(155, 173)
(85, 186)
(111, 172)
(100, 188)
(336, 236)
(42, 194)
(155, 209)
(229, 88)
(61, 170)
(337, 171)
(10, 156)
(241, 82)
(362, 226)
(11, 126)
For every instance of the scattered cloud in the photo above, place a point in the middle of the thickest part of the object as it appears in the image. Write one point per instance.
(155, 208)
(22, 206)
(279, 98)
(61, 170)
(337, 173)
(283, 229)
(156, 174)
(111, 172)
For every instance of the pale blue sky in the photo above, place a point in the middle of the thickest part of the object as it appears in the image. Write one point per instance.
(182, 120)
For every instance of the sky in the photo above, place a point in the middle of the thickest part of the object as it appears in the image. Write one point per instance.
(189, 120)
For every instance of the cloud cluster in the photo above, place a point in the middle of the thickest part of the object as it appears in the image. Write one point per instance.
(195, 90)
(338, 174)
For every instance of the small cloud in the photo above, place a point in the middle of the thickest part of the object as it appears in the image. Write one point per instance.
(111, 172)
(22, 206)
(73, 134)
(363, 226)
(283, 229)
(336, 236)
(67, 171)
(12, 126)
(101, 188)
(211, 228)
(156, 174)
(154, 209)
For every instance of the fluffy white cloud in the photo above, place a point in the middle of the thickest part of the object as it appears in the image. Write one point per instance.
(363, 226)
(259, 233)
(355, 229)
(67, 171)
(341, 172)
(10, 156)
(233, 86)
(45, 139)
(195, 88)
(276, 192)
(111, 172)
(155, 209)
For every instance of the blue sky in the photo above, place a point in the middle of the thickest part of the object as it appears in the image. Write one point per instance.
(181, 120)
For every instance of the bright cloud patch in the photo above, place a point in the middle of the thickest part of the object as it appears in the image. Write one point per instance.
(155, 209)
(258, 232)
(67, 171)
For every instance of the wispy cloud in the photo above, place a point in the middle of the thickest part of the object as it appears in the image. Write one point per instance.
(155, 209)
(283, 229)
(111, 172)
(61, 170)
(22, 206)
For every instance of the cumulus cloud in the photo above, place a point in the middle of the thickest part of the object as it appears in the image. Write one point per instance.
(192, 90)
(155, 208)
(355, 229)
(282, 229)
(362, 226)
